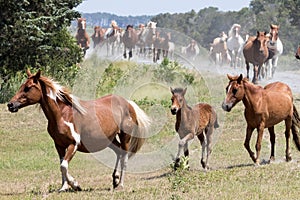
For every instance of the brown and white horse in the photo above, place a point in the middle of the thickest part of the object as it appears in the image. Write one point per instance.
(83, 39)
(275, 50)
(85, 126)
(218, 52)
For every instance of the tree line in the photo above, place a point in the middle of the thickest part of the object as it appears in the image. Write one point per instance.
(208, 23)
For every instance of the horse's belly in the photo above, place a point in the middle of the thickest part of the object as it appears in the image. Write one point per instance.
(92, 143)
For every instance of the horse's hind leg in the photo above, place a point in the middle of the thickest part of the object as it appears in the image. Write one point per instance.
(288, 125)
(115, 146)
(272, 140)
(202, 139)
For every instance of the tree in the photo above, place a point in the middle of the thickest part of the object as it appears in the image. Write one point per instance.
(34, 33)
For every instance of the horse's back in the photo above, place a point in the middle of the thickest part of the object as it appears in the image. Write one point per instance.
(207, 114)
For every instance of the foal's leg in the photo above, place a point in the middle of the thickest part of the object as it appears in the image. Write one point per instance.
(182, 143)
(288, 125)
(272, 140)
(202, 139)
(260, 132)
(209, 133)
(247, 142)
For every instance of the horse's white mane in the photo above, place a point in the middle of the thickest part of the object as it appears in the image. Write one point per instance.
(230, 33)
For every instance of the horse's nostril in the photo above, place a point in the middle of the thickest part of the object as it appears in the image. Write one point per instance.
(10, 105)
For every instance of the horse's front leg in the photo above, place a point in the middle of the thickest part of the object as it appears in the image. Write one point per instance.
(247, 142)
(181, 145)
(260, 132)
(67, 179)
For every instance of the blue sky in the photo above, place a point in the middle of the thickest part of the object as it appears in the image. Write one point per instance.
(153, 7)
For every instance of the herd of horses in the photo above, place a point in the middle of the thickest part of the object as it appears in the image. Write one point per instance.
(120, 124)
(262, 50)
(150, 40)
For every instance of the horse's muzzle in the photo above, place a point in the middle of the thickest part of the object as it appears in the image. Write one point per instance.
(297, 56)
(173, 111)
(13, 107)
(226, 107)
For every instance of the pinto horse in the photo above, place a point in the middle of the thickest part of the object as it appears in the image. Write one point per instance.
(83, 39)
(297, 55)
(199, 121)
(129, 39)
(256, 52)
(275, 50)
(264, 108)
(235, 45)
(86, 126)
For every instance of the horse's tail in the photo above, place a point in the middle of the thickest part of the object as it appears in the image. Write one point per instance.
(140, 131)
(295, 124)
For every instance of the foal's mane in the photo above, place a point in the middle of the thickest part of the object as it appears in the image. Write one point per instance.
(61, 93)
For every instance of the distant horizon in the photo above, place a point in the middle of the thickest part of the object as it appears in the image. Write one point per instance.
(155, 7)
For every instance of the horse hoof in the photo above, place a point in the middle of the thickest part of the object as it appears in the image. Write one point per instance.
(119, 188)
(77, 188)
(288, 158)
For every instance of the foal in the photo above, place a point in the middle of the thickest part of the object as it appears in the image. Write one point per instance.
(191, 122)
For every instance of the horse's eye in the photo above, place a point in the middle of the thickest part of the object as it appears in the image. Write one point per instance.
(234, 91)
(226, 89)
(26, 89)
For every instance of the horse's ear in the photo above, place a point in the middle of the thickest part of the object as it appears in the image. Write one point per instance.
(184, 91)
(240, 78)
(37, 76)
(230, 77)
(171, 89)
(257, 33)
(28, 72)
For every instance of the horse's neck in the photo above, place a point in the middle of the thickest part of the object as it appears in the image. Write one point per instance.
(52, 109)
(185, 112)
(253, 94)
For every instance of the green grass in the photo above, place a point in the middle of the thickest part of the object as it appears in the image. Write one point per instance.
(29, 164)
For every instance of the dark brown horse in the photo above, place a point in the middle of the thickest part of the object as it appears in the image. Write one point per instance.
(199, 121)
(161, 45)
(86, 126)
(264, 108)
(256, 52)
(129, 39)
(297, 55)
(83, 39)
(98, 36)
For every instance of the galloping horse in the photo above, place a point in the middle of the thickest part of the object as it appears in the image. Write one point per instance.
(161, 45)
(86, 126)
(146, 37)
(83, 39)
(113, 38)
(192, 50)
(199, 121)
(297, 55)
(235, 45)
(256, 52)
(218, 52)
(275, 50)
(98, 36)
(129, 39)
(264, 108)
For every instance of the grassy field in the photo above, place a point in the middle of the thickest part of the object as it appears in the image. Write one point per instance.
(29, 165)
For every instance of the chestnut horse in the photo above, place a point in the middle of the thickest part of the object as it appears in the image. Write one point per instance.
(256, 52)
(297, 55)
(83, 39)
(199, 121)
(98, 36)
(264, 108)
(86, 126)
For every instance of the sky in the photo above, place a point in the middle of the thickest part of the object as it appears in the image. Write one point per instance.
(154, 7)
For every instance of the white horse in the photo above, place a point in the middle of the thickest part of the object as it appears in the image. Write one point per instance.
(113, 38)
(275, 50)
(235, 45)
